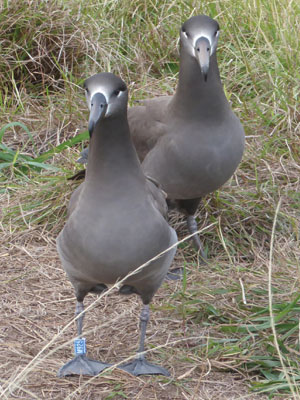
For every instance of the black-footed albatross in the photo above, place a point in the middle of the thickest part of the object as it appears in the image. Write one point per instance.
(191, 142)
(115, 221)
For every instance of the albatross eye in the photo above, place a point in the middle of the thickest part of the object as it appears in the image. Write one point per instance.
(117, 92)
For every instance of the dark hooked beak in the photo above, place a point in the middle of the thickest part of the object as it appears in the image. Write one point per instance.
(98, 108)
(202, 50)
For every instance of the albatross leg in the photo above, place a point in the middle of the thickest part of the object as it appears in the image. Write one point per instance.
(192, 227)
(140, 366)
(189, 208)
(80, 364)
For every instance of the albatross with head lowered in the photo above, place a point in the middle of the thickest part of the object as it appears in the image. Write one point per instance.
(192, 142)
(116, 221)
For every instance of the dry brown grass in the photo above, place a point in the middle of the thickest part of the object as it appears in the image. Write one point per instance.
(37, 300)
(193, 326)
(42, 43)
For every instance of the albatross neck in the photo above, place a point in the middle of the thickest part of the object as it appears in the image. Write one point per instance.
(112, 156)
(194, 94)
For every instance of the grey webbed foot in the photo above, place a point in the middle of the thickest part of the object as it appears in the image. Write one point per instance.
(140, 366)
(81, 365)
(83, 157)
(175, 274)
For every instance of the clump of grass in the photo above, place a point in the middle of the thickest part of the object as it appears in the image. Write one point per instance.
(40, 43)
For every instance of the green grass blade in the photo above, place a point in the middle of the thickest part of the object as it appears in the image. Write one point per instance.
(68, 143)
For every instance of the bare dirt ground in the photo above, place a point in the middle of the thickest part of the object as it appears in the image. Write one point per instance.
(37, 301)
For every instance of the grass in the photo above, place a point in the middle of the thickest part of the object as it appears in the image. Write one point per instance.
(231, 329)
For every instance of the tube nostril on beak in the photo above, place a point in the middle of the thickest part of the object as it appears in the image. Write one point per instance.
(97, 111)
(202, 54)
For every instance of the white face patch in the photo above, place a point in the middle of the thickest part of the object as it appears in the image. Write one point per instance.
(213, 41)
(110, 96)
(202, 34)
(195, 41)
(97, 89)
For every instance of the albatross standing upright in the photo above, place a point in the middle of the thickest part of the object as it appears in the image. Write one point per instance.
(115, 221)
(192, 142)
